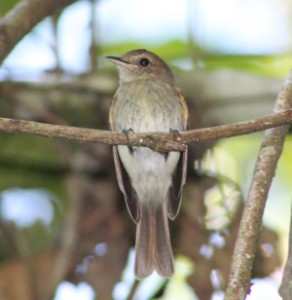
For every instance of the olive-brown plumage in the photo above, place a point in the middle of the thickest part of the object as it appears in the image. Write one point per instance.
(147, 100)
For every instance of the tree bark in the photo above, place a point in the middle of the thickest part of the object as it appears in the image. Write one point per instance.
(243, 256)
(158, 141)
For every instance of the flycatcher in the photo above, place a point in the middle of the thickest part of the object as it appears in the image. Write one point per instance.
(147, 100)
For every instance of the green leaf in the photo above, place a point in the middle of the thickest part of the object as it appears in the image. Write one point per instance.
(7, 5)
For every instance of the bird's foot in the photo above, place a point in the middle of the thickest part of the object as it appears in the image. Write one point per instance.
(176, 134)
(126, 132)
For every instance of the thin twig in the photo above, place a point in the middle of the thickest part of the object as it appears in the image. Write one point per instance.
(159, 141)
(244, 251)
(133, 290)
(69, 239)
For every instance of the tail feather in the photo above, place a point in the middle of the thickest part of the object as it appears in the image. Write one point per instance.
(163, 251)
(153, 246)
(144, 265)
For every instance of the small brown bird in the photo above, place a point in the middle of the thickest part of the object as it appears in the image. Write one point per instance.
(147, 100)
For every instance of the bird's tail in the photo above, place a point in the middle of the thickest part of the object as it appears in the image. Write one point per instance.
(153, 246)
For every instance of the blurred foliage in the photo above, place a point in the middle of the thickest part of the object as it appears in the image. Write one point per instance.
(239, 154)
(273, 65)
(6, 5)
(37, 164)
(33, 162)
(172, 49)
(39, 237)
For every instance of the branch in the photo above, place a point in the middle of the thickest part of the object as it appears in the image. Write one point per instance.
(21, 20)
(244, 251)
(158, 141)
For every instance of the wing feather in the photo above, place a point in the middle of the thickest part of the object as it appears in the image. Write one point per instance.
(179, 175)
(178, 181)
(123, 178)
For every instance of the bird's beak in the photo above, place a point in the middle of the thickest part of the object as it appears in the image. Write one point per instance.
(117, 60)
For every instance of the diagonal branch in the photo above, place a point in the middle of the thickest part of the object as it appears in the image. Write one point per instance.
(21, 20)
(244, 251)
(158, 141)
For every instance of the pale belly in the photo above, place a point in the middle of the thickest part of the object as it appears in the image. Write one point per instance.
(150, 171)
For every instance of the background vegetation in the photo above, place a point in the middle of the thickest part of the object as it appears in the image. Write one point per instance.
(63, 220)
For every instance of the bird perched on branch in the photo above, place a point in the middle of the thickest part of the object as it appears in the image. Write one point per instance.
(147, 100)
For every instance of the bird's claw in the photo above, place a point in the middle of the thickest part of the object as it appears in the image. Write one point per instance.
(176, 134)
(126, 132)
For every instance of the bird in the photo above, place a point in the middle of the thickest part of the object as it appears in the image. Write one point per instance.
(148, 100)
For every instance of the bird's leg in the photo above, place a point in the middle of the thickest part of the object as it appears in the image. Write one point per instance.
(126, 132)
(176, 134)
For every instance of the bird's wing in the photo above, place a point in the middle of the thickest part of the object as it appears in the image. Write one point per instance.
(184, 108)
(126, 187)
(123, 177)
(178, 181)
(179, 175)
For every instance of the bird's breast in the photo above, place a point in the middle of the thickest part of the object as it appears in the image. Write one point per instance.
(147, 106)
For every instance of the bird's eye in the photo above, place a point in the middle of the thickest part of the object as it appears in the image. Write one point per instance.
(144, 62)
